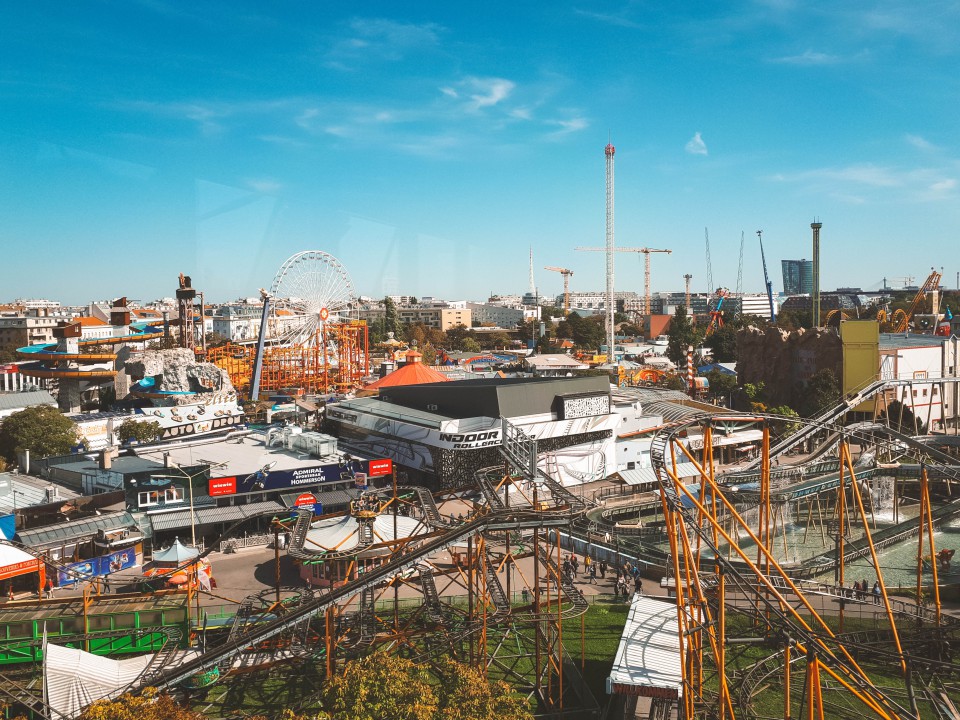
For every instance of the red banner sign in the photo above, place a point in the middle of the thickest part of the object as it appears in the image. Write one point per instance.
(222, 486)
(304, 499)
(19, 568)
(379, 468)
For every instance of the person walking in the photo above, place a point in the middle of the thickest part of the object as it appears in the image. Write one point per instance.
(603, 569)
(876, 593)
(863, 589)
(576, 565)
(593, 574)
(587, 562)
(638, 585)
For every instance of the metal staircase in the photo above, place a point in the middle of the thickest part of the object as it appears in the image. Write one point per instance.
(430, 595)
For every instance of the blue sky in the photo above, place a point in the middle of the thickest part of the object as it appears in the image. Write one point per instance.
(428, 145)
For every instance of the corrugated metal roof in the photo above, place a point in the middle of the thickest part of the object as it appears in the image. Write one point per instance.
(70, 531)
(19, 400)
(647, 662)
(215, 515)
(670, 411)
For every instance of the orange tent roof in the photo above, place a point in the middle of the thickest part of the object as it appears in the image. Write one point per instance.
(411, 374)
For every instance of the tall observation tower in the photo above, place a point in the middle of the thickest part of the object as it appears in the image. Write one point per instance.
(611, 251)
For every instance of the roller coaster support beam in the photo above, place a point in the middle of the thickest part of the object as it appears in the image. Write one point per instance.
(261, 341)
(859, 676)
(846, 458)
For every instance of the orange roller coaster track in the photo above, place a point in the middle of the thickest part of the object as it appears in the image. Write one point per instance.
(336, 362)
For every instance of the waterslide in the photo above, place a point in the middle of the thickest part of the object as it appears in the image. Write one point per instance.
(49, 362)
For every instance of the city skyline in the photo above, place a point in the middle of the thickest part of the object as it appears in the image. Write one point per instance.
(429, 147)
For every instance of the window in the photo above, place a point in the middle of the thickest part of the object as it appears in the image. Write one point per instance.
(147, 499)
(173, 495)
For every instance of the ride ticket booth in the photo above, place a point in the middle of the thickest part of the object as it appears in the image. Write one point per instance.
(20, 573)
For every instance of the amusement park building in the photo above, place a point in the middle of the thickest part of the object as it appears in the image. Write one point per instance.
(924, 359)
(440, 434)
(246, 477)
(22, 330)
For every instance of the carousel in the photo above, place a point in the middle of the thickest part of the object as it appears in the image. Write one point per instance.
(180, 566)
(345, 546)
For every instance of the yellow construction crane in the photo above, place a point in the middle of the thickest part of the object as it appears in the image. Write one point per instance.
(646, 270)
(567, 274)
(903, 319)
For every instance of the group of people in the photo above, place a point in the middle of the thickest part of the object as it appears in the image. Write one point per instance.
(629, 574)
(860, 590)
(591, 568)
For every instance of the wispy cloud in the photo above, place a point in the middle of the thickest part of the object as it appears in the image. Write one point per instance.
(696, 145)
(809, 58)
(265, 186)
(483, 92)
(619, 19)
(920, 143)
(566, 127)
(380, 39)
(854, 182)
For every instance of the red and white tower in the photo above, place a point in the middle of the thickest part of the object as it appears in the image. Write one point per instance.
(611, 251)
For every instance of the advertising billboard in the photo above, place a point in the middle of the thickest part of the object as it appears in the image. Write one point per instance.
(266, 478)
(98, 566)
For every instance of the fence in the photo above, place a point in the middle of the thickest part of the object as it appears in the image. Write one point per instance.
(234, 544)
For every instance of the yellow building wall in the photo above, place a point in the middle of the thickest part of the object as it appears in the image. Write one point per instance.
(861, 357)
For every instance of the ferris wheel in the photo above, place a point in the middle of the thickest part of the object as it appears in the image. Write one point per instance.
(311, 288)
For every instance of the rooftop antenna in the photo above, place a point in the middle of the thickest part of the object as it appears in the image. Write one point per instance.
(740, 278)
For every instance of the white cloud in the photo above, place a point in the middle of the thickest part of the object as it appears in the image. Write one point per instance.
(380, 39)
(567, 127)
(808, 58)
(487, 92)
(696, 145)
(919, 142)
(850, 183)
(264, 186)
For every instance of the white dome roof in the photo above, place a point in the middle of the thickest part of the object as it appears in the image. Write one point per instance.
(339, 534)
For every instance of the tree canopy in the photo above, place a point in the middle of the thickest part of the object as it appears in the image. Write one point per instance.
(41, 429)
(148, 706)
(586, 332)
(142, 431)
(682, 334)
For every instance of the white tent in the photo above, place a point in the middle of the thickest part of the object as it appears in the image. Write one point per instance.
(177, 553)
(72, 679)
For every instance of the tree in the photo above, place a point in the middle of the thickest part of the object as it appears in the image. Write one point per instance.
(456, 337)
(466, 695)
(391, 322)
(587, 333)
(381, 686)
(386, 686)
(722, 384)
(902, 419)
(40, 429)
(8, 354)
(147, 706)
(822, 392)
(675, 382)
(470, 345)
(784, 427)
(215, 339)
(682, 335)
(142, 431)
(723, 343)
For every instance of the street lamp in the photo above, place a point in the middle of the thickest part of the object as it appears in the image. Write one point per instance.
(185, 474)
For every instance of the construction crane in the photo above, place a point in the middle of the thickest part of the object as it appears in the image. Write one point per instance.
(567, 274)
(646, 272)
(766, 280)
(903, 319)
